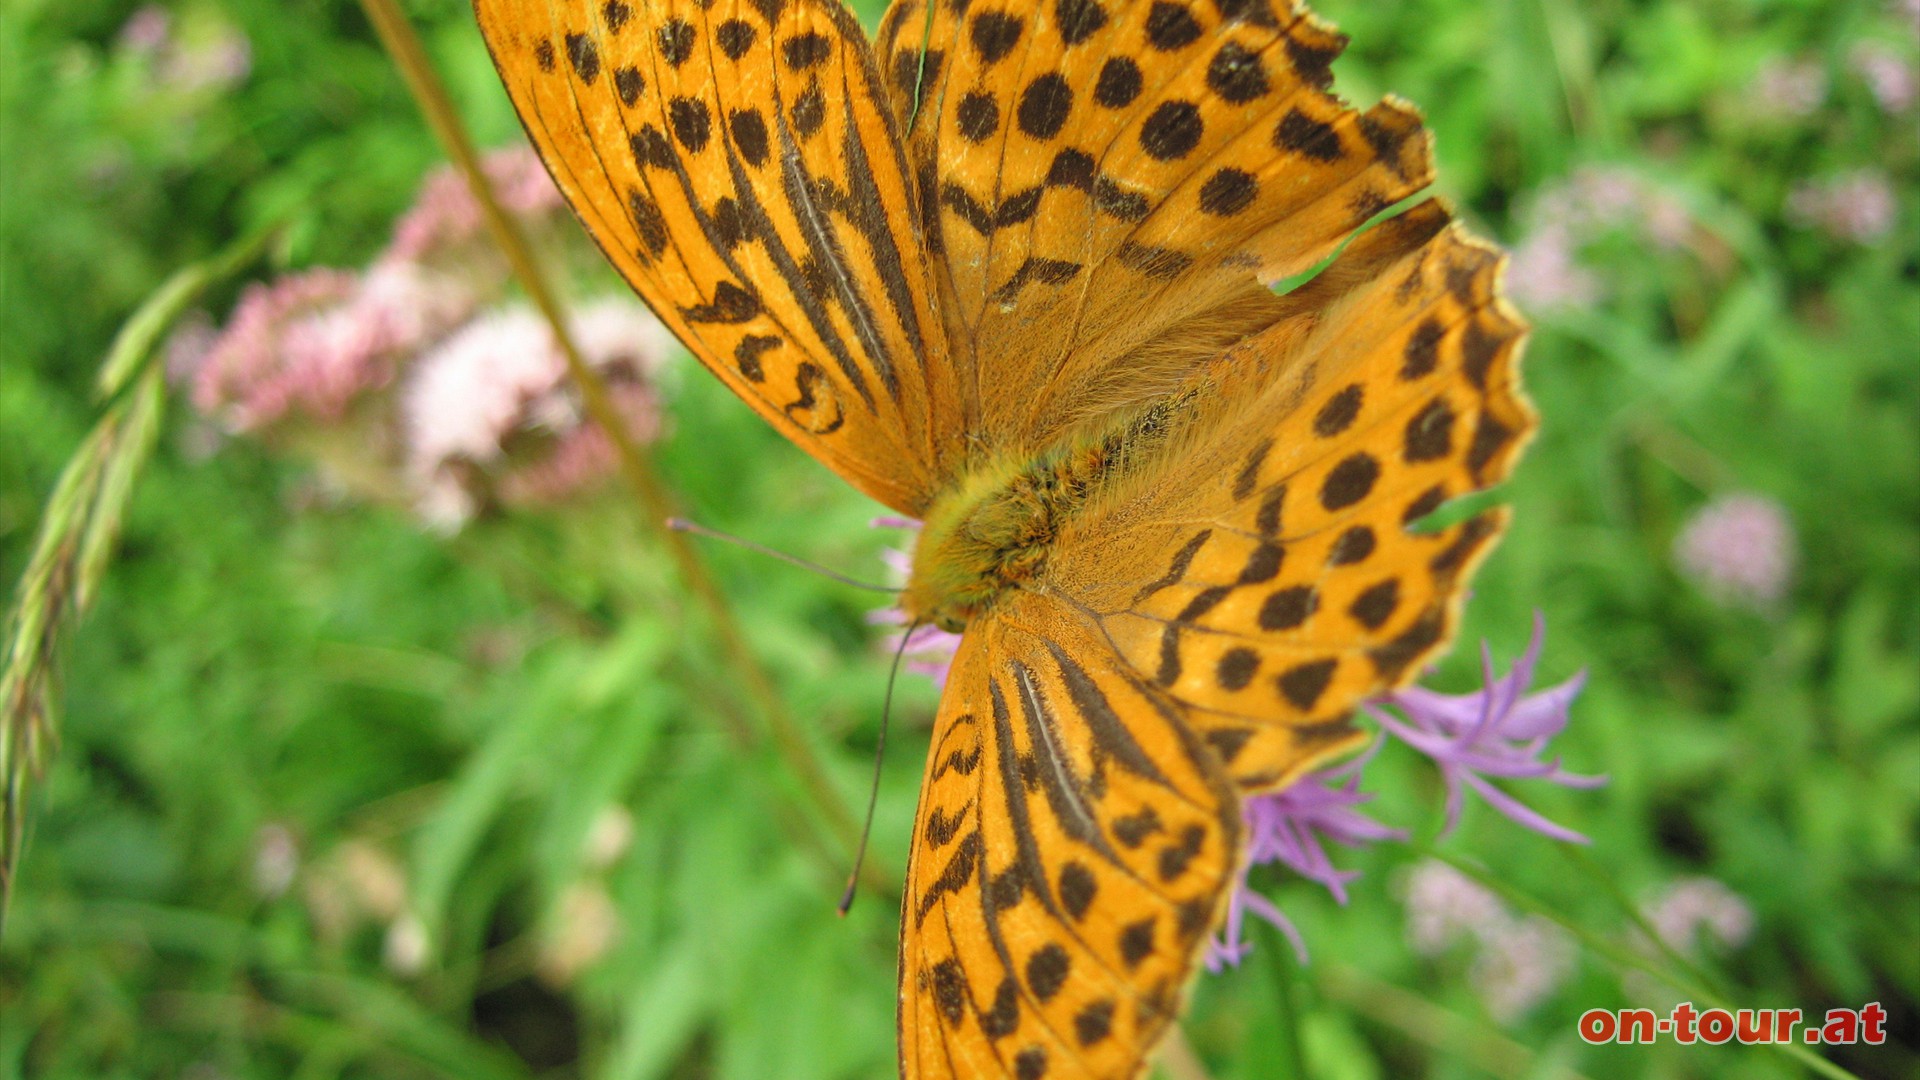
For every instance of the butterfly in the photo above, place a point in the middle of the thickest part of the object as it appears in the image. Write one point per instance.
(1009, 268)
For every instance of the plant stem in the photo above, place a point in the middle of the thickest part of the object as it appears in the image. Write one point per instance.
(657, 502)
(1445, 1031)
(77, 534)
(1580, 858)
(1285, 966)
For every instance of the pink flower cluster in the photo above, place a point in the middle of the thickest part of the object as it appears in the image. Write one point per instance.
(1888, 74)
(414, 379)
(1858, 206)
(491, 413)
(1739, 549)
(1697, 910)
(1546, 272)
(1788, 88)
(446, 217)
(1518, 961)
(206, 55)
(313, 343)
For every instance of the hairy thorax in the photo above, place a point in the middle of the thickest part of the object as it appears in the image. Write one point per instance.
(993, 530)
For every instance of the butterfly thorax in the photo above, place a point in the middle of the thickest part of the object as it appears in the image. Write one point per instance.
(992, 531)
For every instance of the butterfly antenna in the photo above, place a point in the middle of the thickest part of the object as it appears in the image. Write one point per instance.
(683, 525)
(879, 754)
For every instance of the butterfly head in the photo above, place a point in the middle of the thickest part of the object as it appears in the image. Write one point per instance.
(986, 534)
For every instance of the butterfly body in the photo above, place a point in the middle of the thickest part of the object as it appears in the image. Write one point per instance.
(1008, 268)
(992, 531)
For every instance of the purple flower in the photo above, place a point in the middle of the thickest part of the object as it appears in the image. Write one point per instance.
(1290, 827)
(1231, 946)
(1738, 549)
(928, 649)
(1499, 731)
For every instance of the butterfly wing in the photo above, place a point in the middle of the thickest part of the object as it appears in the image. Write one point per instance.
(738, 163)
(1203, 633)
(1266, 574)
(1106, 182)
(1073, 847)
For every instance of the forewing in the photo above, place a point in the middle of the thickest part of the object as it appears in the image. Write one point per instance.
(1285, 582)
(1098, 174)
(1073, 848)
(738, 164)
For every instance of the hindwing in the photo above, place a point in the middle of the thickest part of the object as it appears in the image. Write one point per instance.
(1271, 572)
(1073, 849)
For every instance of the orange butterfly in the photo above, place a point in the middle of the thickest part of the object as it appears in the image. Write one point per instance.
(1009, 270)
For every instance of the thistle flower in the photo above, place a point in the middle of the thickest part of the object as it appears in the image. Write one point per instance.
(1290, 827)
(1231, 946)
(1738, 549)
(927, 649)
(1499, 731)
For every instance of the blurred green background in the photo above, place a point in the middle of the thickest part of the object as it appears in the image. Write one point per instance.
(340, 795)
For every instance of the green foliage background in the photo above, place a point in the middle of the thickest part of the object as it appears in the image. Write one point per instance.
(466, 708)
